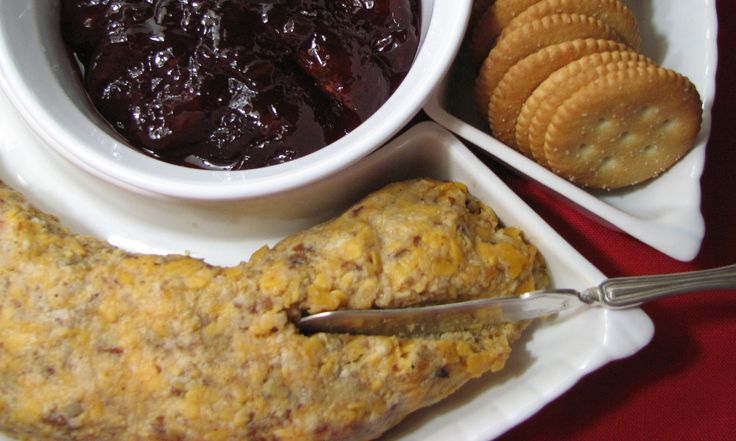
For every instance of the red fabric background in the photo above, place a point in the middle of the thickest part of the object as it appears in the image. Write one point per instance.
(683, 384)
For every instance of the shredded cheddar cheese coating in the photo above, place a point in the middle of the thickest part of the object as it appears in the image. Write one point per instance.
(100, 344)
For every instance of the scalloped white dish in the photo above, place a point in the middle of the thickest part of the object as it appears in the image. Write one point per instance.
(552, 356)
(665, 212)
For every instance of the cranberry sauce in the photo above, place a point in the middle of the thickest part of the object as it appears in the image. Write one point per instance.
(238, 84)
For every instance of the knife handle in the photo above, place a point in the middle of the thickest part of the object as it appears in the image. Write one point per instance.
(625, 292)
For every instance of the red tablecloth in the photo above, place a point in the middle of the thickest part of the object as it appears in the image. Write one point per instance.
(683, 384)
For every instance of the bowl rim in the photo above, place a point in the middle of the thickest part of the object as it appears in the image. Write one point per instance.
(433, 60)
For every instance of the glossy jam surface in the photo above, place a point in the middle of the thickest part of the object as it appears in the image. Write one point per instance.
(238, 84)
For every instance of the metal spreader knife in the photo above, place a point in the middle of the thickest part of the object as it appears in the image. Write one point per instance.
(615, 293)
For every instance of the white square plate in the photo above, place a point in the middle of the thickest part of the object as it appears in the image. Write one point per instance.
(665, 212)
(551, 357)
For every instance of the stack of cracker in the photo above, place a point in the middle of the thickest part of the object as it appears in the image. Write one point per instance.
(562, 82)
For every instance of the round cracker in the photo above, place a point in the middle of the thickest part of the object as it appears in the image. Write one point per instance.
(624, 128)
(491, 23)
(528, 39)
(612, 12)
(538, 109)
(523, 77)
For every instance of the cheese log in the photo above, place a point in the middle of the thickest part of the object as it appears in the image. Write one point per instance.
(98, 343)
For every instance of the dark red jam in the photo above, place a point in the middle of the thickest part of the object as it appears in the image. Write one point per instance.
(238, 84)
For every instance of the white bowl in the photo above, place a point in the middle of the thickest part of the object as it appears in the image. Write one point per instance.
(665, 212)
(38, 76)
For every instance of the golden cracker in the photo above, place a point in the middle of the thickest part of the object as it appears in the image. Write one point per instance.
(542, 104)
(624, 128)
(491, 23)
(523, 77)
(526, 40)
(612, 12)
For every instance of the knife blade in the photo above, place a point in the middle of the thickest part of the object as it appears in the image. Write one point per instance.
(434, 319)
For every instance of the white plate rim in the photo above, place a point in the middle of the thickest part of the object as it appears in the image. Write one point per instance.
(623, 332)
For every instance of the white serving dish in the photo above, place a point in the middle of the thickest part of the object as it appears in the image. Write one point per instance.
(39, 77)
(663, 213)
(551, 358)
